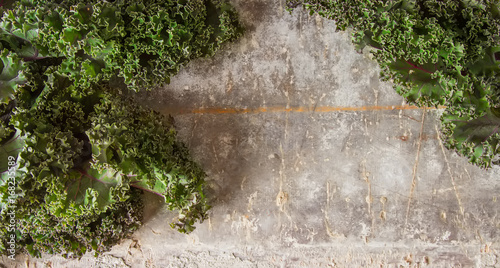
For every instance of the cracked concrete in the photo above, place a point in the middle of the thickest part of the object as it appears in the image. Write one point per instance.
(312, 161)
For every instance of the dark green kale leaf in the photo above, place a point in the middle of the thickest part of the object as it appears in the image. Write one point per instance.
(145, 43)
(437, 52)
(11, 75)
(40, 231)
(75, 152)
(80, 152)
(477, 138)
(141, 144)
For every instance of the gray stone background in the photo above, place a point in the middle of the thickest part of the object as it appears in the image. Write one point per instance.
(312, 161)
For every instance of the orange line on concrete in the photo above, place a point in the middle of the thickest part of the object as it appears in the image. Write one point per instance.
(300, 109)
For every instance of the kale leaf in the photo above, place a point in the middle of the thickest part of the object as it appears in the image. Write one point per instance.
(76, 153)
(437, 52)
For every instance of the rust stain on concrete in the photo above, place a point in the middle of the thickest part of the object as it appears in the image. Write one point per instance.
(298, 109)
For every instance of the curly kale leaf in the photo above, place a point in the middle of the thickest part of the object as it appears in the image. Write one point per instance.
(81, 151)
(142, 145)
(435, 41)
(437, 53)
(478, 138)
(422, 83)
(487, 66)
(11, 76)
(43, 232)
(6, 130)
(145, 43)
(86, 192)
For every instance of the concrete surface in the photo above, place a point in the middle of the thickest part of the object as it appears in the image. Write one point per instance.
(312, 162)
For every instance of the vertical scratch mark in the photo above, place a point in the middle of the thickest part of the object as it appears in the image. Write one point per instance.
(327, 194)
(286, 127)
(215, 154)
(366, 177)
(193, 130)
(415, 166)
(243, 182)
(297, 162)
(316, 105)
(287, 94)
(468, 174)
(282, 197)
(327, 207)
(480, 236)
(329, 231)
(462, 212)
(229, 84)
(369, 197)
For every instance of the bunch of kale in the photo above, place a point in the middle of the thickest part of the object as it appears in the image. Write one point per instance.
(75, 152)
(437, 52)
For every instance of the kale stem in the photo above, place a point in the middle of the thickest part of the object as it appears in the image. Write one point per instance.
(88, 175)
(379, 48)
(12, 140)
(145, 189)
(419, 68)
(491, 134)
(13, 150)
(33, 58)
(77, 190)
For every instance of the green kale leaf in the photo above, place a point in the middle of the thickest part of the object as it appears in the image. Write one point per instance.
(76, 153)
(437, 52)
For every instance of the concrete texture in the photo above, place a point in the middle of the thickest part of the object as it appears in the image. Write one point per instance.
(312, 161)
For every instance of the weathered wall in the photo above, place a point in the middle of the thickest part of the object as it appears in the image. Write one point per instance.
(312, 162)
